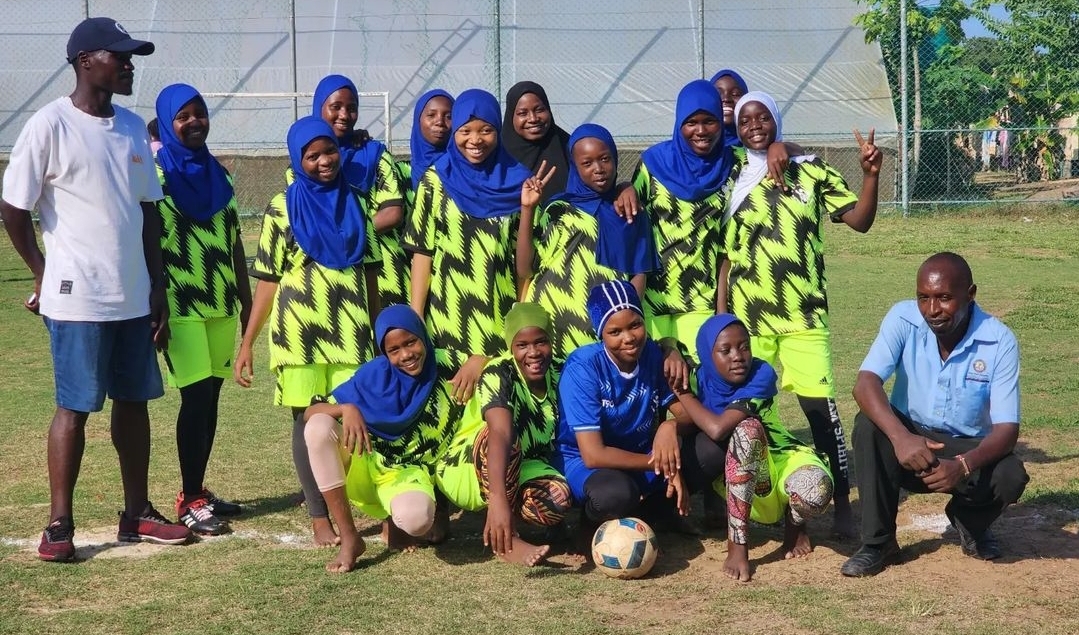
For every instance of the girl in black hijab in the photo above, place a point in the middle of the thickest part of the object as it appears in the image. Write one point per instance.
(530, 134)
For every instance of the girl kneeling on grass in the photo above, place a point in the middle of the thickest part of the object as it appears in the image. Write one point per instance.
(499, 458)
(618, 460)
(769, 474)
(378, 444)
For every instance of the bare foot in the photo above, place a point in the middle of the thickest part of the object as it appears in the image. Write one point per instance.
(440, 530)
(737, 564)
(346, 558)
(843, 524)
(323, 533)
(396, 538)
(525, 553)
(796, 543)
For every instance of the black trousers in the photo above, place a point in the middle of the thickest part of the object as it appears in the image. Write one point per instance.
(611, 493)
(977, 501)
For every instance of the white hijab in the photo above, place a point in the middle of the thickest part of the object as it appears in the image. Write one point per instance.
(756, 168)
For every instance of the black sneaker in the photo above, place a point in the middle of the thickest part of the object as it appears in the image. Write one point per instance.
(983, 547)
(200, 518)
(220, 506)
(871, 559)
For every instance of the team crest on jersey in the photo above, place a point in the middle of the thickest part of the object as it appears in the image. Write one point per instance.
(978, 366)
(799, 192)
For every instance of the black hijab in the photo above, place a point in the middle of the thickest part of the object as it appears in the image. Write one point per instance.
(553, 147)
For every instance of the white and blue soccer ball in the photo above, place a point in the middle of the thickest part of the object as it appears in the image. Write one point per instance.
(624, 548)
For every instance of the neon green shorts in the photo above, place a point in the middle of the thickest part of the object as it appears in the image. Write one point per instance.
(200, 348)
(298, 385)
(456, 477)
(682, 327)
(782, 464)
(805, 359)
(370, 484)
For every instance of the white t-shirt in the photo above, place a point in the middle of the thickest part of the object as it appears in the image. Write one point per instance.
(87, 176)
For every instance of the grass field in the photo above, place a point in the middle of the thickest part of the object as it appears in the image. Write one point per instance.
(264, 578)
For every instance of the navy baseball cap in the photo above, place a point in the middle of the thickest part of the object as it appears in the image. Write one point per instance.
(104, 34)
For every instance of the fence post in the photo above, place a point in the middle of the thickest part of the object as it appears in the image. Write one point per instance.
(700, 37)
(904, 158)
(295, 63)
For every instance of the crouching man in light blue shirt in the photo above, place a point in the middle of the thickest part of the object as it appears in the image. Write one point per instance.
(951, 423)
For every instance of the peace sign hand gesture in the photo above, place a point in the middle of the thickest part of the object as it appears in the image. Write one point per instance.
(532, 190)
(871, 155)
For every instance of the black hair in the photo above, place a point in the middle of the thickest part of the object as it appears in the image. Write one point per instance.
(151, 127)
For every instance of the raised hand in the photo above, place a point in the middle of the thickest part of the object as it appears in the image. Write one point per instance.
(871, 155)
(532, 190)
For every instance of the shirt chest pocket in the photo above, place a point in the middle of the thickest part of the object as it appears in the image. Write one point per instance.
(971, 398)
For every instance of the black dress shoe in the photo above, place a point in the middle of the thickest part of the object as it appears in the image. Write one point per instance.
(871, 559)
(983, 547)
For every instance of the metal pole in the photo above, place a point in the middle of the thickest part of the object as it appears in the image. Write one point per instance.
(295, 70)
(700, 36)
(904, 158)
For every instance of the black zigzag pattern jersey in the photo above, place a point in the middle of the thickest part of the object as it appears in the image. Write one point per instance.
(473, 280)
(319, 315)
(197, 257)
(775, 243)
(687, 240)
(565, 270)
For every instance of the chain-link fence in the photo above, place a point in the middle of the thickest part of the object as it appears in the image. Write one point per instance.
(971, 133)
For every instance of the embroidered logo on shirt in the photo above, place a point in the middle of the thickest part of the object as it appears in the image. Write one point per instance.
(65, 287)
(136, 158)
(978, 366)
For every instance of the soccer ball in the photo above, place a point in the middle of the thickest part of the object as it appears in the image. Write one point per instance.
(624, 548)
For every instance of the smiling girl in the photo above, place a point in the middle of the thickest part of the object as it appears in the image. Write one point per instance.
(769, 475)
(377, 444)
(317, 269)
(204, 263)
(462, 233)
(581, 241)
(369, 169)
(499, 458)
(773, 244)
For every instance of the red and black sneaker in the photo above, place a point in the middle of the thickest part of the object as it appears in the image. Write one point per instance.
(220, 506)
(58, 541)
(199, 517)
(151, 526)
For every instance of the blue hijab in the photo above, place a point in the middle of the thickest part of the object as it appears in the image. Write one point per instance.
(675, 165)
(424, 153)
(607, 298)
(492, 188)
(717, 393)
(625, 247)
(390, 399)
(359, 163)
(197, 183)
(326, 218)
(730, 133)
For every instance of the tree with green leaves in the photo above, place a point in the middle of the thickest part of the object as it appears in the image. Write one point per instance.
(1038, 62)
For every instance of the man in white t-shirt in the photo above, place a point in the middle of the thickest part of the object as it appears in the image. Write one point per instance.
(86, 165)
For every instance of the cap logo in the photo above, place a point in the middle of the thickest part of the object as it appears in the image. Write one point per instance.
(121, 29)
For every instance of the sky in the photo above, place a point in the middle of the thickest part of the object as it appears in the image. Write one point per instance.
(974, 28)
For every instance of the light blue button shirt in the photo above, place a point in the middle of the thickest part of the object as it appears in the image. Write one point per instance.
(964, 395)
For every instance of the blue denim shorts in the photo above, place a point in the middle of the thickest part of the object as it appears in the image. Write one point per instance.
(92, 359)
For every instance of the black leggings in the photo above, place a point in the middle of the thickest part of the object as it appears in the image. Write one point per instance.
(316, 505)
(611, 493)
(828, 437)
(196, 427)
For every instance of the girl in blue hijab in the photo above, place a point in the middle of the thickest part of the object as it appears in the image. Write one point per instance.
(394, 418)
(369, 168)
(462, 232)
(731, 87)
(316, 265)
(581, 241)
(769, 474)
(430, 132)
(207, 291)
